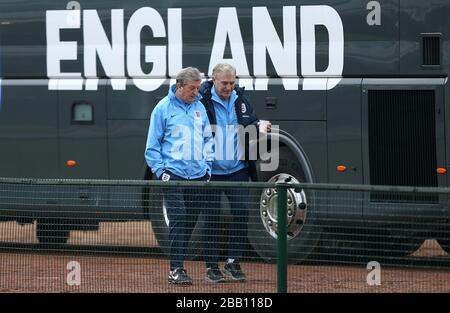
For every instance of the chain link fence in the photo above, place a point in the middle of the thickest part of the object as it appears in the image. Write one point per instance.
(113, 236)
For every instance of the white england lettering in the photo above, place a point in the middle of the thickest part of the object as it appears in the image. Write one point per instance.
(92, 84)
(70, 84)
(310, 16)
(175, 41)
(228, 27)
(265, 37)
(152, 54)
(120, 55)
(111, 55)
(58, 50)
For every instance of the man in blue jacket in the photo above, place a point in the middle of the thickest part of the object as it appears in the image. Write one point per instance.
(180, 147)
(229, 113)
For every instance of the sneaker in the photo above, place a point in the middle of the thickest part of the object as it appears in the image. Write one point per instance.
(179, 277)
(234, 271)
(214, 275)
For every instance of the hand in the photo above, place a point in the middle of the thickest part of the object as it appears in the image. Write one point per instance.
(264, 126)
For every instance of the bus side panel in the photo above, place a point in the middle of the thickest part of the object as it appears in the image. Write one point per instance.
(28, 129)
(344, 149)
(370, 48)
(311, 135)
(416, 22)
(83, 132)
(281, 104)
(133, 103)
(126, 145)
(344, 132)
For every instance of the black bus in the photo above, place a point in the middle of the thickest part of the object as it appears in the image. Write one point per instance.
(358, 88)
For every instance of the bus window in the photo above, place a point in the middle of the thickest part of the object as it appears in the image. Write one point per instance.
(82, 113)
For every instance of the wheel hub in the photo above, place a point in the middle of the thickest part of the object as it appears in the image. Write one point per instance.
(296, 207)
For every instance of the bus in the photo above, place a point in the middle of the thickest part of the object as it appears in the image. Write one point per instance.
(358, 88)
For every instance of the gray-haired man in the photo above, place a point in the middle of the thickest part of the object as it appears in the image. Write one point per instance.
(228, 111)
(180, 147)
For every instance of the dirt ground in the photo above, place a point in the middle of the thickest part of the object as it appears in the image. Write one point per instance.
(23, 270)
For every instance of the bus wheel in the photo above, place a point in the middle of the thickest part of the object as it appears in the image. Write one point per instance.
(52, 230)
(359, 245)
(444, 240)
(445, 245)
(154, 205)
(303, 232)
(391, 246)
(339, 244)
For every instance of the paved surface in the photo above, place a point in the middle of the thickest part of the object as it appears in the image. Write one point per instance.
(22, 270)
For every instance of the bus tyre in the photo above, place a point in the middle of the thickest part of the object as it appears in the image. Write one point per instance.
(444, 241)
(303, 231)
(337, 243)
(52, 231)
(153, 203)
(392, 246)
(353, 244)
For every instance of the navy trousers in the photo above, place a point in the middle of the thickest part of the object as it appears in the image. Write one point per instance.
(238, 199)
(183, 205)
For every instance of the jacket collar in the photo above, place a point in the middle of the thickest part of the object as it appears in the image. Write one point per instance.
(215, 97)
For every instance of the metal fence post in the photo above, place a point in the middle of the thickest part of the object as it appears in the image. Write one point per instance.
(281, 240)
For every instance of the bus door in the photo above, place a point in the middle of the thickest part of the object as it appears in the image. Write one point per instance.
(82, 130)
(404, 145)
(405, 132)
